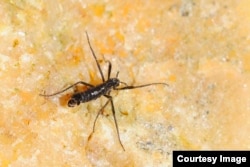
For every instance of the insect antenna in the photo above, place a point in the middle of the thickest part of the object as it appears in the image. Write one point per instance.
(109, 69)
(139, 86)
(93, 53)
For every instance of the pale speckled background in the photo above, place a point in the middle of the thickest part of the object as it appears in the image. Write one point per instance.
(200, 48)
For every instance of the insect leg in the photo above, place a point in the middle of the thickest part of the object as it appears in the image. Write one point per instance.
(140, 86)
(116, 125)
(80, 82)
(93, 53)
(100, 111)
(109, 70)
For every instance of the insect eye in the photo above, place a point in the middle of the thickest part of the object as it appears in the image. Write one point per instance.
(73, 103)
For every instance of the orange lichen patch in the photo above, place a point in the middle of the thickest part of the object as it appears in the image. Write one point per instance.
(152, 107)
(172, 78)
(124, 112)
(44, 114)
(26, 121)
(70, 58)
(184, 141)
(149, 105)
(242, 11)
(19, 140)
(119, 36)
(172, 42)
(230, 103)
(5, 162)
(93, 77)
(126, 8)
(60, 58)
(80, 9)
(6, 138)
(24, 146)
(137, 52)
(26, 96)
(142, 25)
(15, 43)
(122, 53)
(232, 54)
(76, 54)
(233, 113)
(103, 48)
(210, 66)
(157, 155)
(98, 9)
(246, 62)
(110, 43)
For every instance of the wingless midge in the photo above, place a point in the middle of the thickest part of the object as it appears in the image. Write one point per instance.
(95, 91)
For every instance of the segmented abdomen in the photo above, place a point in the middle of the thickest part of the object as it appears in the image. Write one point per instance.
(92, 93)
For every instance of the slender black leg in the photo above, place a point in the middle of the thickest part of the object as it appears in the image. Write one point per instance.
(116, 125)
(80, 82)
(113, 112)
(99, 112)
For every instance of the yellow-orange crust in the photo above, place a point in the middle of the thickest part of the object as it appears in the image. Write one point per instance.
(200, 48)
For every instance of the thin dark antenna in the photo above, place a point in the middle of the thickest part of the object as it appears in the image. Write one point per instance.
(139, 86)
(93, 53)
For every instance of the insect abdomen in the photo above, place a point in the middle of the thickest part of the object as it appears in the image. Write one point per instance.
(91, 94)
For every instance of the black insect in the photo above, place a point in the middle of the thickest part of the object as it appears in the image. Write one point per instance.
(95, 91)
